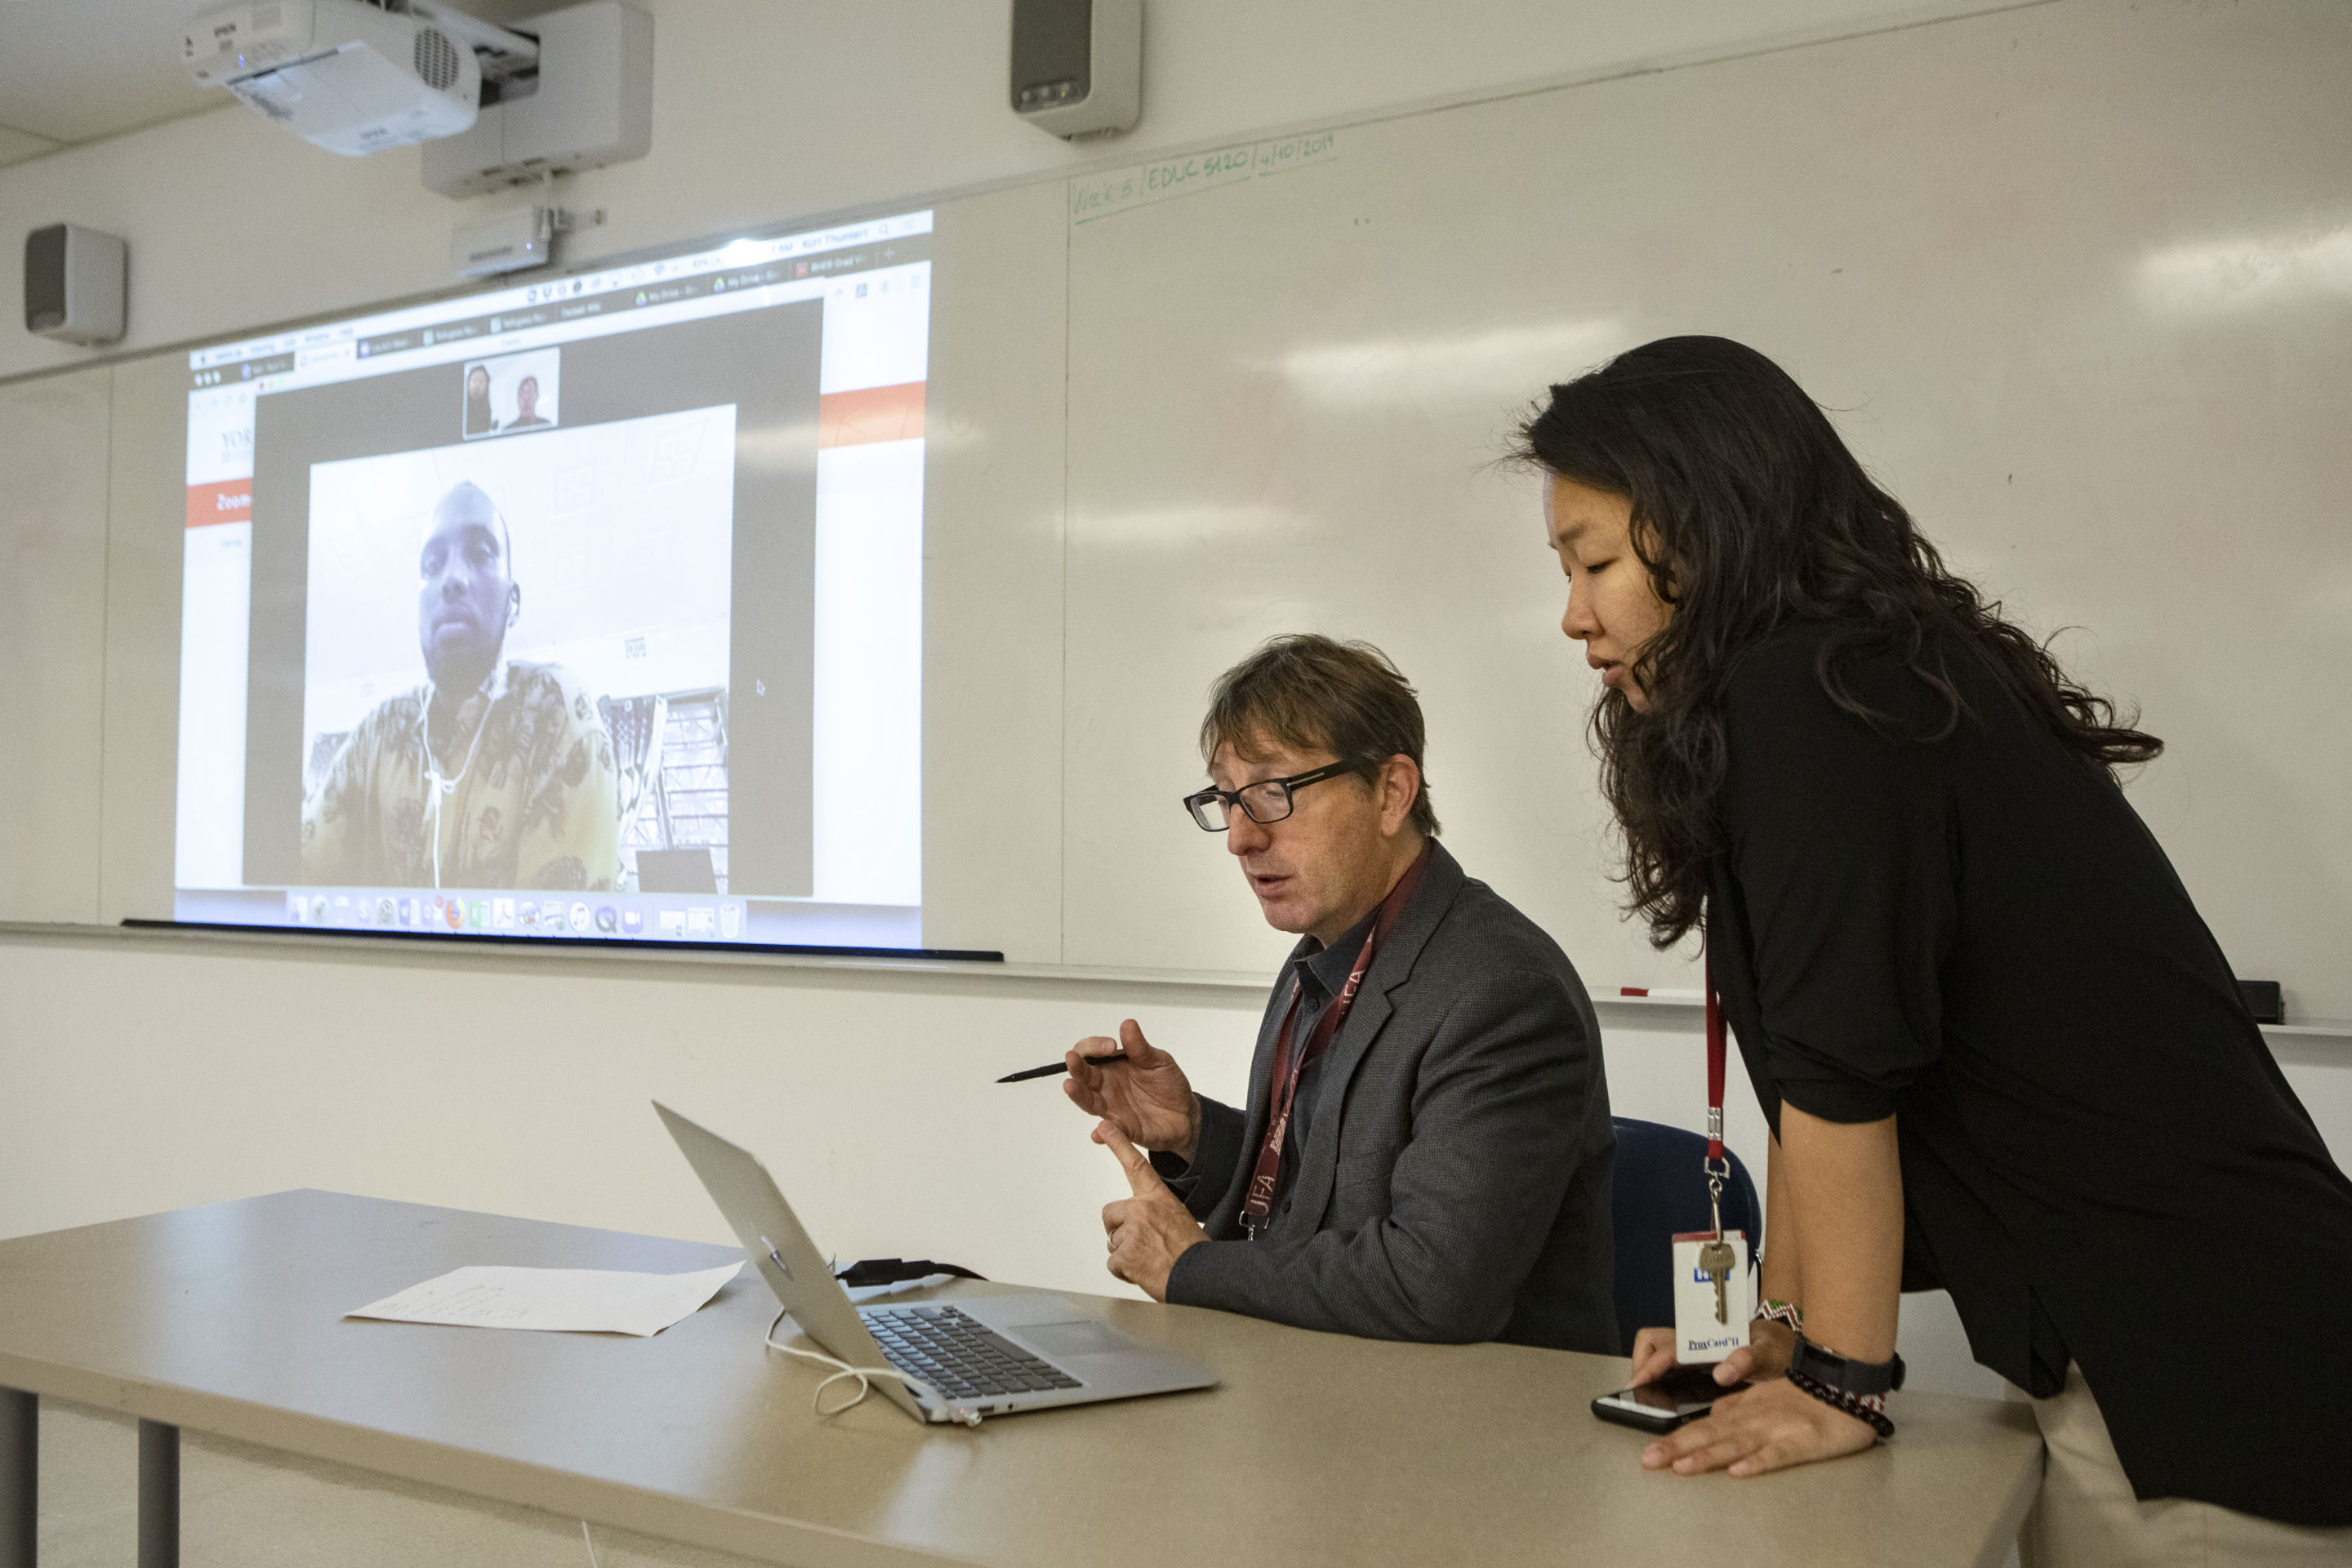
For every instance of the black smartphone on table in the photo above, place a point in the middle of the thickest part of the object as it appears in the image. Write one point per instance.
(1682, 1395)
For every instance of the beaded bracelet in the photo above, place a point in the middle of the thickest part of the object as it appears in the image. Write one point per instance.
(1773, 1309)
(1867, 1408)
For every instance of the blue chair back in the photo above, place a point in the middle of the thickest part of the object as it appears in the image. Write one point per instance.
(1661, 1192)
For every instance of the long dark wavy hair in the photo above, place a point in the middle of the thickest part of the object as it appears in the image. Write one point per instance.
(1751, 515)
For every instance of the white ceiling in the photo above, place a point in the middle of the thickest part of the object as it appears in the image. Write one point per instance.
(77, 70)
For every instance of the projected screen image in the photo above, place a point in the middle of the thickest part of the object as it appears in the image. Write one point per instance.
(591, 610)
(573, 586)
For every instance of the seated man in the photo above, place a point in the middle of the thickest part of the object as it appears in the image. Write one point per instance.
(1426, 1151)
(495, 773)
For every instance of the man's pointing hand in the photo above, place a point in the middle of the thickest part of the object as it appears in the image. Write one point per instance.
(1147, 1231)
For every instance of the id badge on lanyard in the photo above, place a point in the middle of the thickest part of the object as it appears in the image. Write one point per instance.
(1715, 1294)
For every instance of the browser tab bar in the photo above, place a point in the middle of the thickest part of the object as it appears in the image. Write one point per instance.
(508, 309)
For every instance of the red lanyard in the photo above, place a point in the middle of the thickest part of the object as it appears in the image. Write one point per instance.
(1717, 1168)
(1715, 1054)
(1283, 1079)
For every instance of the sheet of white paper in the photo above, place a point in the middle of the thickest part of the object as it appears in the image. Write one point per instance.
(560, 1301)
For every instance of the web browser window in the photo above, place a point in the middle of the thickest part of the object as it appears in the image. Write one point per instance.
(590, 608)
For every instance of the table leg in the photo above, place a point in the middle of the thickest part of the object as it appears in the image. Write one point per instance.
(159, 1495)
(20, 1478)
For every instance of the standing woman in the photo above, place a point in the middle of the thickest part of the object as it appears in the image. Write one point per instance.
(1999, 1051)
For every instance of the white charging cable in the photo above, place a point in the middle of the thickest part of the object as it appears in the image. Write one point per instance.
(592, 1545)
(842, 1369)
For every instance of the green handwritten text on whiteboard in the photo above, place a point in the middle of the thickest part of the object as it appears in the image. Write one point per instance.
(1096, 196)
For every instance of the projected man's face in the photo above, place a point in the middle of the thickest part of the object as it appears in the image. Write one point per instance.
(526, 397)
(478, 385)
(465, 598)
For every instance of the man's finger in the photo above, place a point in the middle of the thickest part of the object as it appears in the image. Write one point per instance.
(1140, 1177)
(1113, 1215)
(1076, 1060)
(1131, 1040)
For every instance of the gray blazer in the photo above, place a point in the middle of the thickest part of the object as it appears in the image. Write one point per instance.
(1455, 1185)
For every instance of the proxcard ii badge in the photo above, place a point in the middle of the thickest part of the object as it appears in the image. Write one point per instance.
(1715, 1296)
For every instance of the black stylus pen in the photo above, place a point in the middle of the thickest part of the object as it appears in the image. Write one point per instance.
(1050, 1068)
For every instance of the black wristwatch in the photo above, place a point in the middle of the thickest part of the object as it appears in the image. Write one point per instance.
(1843, 1375)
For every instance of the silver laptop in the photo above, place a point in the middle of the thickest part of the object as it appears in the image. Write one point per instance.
(964, 1359)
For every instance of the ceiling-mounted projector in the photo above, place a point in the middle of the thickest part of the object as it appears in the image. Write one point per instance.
(355, 76)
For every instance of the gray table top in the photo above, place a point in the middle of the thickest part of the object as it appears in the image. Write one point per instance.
(1317, 1448)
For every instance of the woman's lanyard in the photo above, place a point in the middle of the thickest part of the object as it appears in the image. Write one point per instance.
(1710, 1323)
(1283, 1080)
(1717, 1168)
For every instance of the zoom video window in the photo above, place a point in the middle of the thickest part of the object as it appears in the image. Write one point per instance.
(587, 608)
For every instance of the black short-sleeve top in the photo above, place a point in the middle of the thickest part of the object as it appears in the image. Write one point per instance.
(1978, 935)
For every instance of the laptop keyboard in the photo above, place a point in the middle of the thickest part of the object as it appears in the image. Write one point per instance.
(958, 1356)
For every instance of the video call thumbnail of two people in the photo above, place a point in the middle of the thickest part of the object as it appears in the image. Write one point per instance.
(506, 394)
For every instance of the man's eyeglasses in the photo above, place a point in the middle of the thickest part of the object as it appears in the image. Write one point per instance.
(1267, 800)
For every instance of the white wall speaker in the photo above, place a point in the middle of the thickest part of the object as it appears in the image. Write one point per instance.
(1077, 64)
(75, 279)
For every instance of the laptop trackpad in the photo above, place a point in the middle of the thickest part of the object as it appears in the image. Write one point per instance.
(1082, 1337)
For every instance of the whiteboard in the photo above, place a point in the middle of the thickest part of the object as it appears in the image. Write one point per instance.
(53, 436)
(2074, 280)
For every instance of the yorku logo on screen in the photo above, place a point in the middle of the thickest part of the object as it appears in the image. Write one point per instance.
(585, 610)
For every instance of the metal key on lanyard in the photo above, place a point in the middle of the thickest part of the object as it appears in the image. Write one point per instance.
(1715, 1259)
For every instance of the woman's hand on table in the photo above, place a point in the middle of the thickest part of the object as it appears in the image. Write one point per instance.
(1773, 1427)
